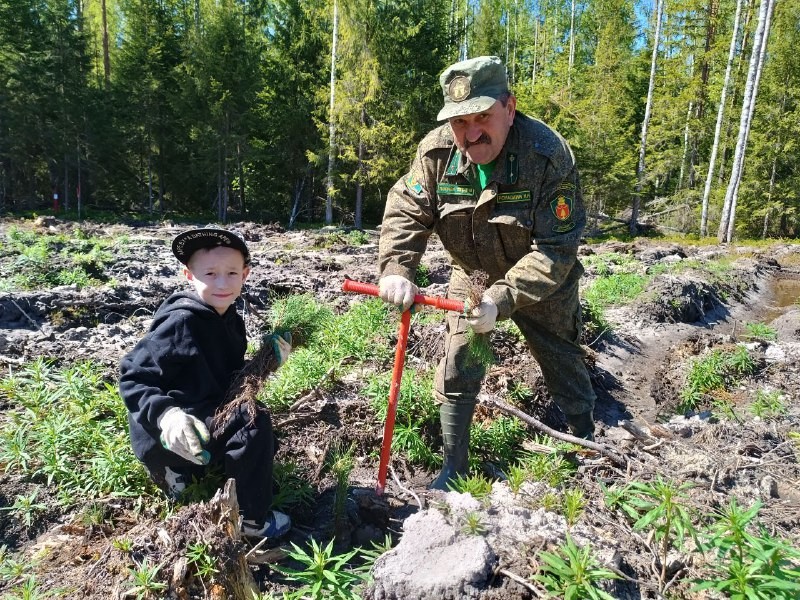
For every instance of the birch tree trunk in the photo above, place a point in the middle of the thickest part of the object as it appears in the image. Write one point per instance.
(508, 34)
(466, 21)
(298, 195)
(571, 44)
(762, 57)
(633, 228)
(332, 124)
(725, 231)
(718, 127)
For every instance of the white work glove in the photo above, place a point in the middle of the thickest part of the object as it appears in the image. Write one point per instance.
(397, 290)
(281, 345)
(184, 435)
(482, 318)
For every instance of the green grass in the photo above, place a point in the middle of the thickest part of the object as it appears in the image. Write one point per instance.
(747, 561)
(595, 323)
(768, 404)
(498, 441)
(300, 314)
(610, 262)
(323, 574)
(417, 413)
(717, 371)
(759, 332)
(43, 260)
(572, 572)
(422, 276)
(68, 428)
(615, 289)
(357, 237)
(415, 401)
(293, 487)
(332, 346)
(551, 468)
(477, 486)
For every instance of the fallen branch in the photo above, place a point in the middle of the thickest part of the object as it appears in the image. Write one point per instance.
(564, 437)
(635, 430)
(26, 315)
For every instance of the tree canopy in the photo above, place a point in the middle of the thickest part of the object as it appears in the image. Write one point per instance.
(221, 107)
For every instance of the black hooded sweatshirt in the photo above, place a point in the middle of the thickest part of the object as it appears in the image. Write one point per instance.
(187, 359)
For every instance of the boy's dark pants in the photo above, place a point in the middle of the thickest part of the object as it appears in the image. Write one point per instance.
(245, 453)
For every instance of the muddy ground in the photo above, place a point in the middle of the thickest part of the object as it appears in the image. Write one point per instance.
(638, 370)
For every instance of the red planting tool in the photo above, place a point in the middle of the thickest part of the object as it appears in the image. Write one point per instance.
(399, 361)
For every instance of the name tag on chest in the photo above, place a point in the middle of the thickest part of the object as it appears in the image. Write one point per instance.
(451, 189)
(520, 196)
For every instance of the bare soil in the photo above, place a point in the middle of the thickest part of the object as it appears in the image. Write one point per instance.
(638, 372)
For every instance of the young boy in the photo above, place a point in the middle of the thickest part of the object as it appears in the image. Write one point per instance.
(177, 376)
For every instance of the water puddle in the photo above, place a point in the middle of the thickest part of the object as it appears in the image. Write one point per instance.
(782, 295)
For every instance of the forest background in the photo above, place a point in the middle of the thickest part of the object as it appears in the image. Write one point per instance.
(310, 110)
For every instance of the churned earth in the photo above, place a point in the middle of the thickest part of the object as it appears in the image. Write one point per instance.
(639, 368)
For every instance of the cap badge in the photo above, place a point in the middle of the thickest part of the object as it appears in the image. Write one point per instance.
(459, 88)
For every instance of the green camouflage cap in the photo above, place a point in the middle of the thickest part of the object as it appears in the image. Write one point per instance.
(472, 86)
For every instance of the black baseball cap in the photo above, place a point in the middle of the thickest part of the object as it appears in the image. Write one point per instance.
(187, 243)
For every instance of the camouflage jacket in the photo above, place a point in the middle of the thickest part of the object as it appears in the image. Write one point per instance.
(523, 229)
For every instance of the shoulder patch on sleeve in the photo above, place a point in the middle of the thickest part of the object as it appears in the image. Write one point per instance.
(562, 207)
(413, 185)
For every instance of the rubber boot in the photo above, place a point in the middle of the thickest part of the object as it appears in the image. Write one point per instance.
(455, 419)
(582, 425)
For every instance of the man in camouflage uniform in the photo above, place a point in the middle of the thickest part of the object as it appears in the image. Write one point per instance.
(501, 190)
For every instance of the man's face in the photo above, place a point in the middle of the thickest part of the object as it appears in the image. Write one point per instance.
(481, 135)
(217, 275)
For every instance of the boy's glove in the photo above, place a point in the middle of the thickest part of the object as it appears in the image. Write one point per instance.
(184, 435)
(281, 345)
(482, 317)
(396, 289)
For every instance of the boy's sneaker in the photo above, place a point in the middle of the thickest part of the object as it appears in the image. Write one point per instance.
(171, 481)
(276, 525)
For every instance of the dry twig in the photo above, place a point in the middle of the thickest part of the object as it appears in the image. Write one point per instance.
(564, 437)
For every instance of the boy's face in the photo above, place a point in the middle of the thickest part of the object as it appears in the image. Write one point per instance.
(217, 275)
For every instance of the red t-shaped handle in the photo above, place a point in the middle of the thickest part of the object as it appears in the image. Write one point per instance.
(369, 289)
(399, 361)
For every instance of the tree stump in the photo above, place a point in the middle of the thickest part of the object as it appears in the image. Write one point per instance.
(234, 580)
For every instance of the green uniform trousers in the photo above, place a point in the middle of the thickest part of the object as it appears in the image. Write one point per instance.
(552, 331)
